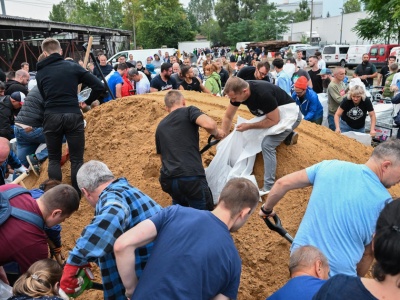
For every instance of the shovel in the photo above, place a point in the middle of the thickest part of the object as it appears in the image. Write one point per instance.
(276, 225)
(210, 143)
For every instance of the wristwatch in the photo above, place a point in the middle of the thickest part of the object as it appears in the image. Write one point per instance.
(266, 212)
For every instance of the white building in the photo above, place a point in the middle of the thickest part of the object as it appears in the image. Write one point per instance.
(329, 29)
(287, 7)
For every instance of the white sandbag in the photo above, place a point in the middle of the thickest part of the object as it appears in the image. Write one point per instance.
(363, 138)
(5, 291)
(237, 152)
(323, 99)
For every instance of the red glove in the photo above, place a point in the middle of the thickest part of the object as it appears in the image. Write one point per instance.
(69, 283)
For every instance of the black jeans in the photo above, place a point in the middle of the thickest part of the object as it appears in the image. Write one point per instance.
(190, 191)
(55, 126)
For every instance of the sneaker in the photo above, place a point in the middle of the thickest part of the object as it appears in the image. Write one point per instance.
(33, 163)
(291, 139)
(263, 192)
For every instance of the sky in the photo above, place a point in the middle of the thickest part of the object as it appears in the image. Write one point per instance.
(40, 9)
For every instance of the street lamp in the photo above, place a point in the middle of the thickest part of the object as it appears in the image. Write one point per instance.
(341, 27)
(311, 21)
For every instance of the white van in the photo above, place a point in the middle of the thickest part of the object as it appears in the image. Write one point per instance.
(295, 47)
(141, 55)
(335, 55)
(354, 55)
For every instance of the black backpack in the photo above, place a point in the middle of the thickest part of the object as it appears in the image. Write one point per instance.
(6, 210)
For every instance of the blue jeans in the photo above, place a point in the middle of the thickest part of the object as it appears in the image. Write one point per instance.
(344, 127)
(331, 122)
(28, 142)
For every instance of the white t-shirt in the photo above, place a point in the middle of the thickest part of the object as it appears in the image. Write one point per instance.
(321, 64)
(302, 64)
(142, 86)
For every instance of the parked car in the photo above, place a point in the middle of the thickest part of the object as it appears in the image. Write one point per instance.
(335, 55)
(295, 47)
(282, 51)
(354, 55)
(379, 53)
(307, 52)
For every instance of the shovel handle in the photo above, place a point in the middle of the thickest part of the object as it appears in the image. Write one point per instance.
(276, 225)
(210, 143)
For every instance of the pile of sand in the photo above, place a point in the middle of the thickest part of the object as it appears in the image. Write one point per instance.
(121, 134)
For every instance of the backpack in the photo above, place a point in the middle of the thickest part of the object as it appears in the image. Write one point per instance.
(6, 210)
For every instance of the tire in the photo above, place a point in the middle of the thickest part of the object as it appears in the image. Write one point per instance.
(342, 63)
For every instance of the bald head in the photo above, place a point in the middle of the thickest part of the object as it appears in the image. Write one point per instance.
(22, 77)
(4, 149)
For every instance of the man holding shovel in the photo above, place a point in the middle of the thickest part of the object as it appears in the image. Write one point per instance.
(344, 205)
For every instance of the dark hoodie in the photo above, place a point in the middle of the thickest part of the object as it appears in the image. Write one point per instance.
(7, 113)
(15, 86)
(58, 80)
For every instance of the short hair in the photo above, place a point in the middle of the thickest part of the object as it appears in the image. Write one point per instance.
(10, 75)
(133, 72)
(185, 69)
(165, 67)
(356, 91)
(172, 98)
(312, 56)
(122, 66)
(24, 64)
(239, 193)
(139, 62)
(48, 184)
(62, 196)
(39, 280)
(235, 84)
(387, 242)
(393, 57)
(240, 63)
(390, 149)
(337, 69)
(394, 67)
(2, 85)
(291, 60)
(304, 257)
(317, 53)
(21, 73)
(265, 64)
(51, 45)
(92, 174)
(278, 63)
(277, 54)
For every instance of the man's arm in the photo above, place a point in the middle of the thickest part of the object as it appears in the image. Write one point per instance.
(272, 118)
(366, 261)
(210, 126)
(203, 88)
(337, 116)
(335, 94)
(118, 89)
(124, 250)
(228, 118)
(153, 90)
(289, 182)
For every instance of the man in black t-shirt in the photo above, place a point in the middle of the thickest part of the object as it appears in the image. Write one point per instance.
(177, 141)
(163, 81)
(366, 71)
(253, 73)
(262, 99)
(314, 72)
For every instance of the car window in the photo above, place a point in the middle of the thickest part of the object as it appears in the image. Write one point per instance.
(329, 50)
(374, 51)
(343, 50)
(381, 51)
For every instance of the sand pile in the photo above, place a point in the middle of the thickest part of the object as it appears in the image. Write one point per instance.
(121, 134)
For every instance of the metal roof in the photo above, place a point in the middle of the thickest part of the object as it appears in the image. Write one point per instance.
(52, 26)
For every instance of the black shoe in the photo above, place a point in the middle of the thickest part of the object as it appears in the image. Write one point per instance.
(291, 139)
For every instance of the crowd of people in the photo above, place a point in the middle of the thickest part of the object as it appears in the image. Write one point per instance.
(185, 251)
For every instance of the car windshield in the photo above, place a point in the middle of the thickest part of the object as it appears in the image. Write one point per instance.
(329, 50)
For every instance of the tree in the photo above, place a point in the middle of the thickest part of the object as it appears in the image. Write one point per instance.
(163, 23)
(351, 6)
(202, 10)
(58, 13)
(213, 32)
(303, 13)
(227, 12)
(383, 22)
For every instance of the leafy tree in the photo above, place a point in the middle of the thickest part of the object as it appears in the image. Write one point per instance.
(351, 6)
(213, 32)
(58, 13)
(202, 10)
(163, 23)
(227, 12)
(383, 22)
(303, 13)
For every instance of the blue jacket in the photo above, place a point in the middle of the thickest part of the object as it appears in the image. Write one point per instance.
(311, 108)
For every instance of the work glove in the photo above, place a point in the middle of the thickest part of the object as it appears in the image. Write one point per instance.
(63, 295)
(21, 169)
(69, 283)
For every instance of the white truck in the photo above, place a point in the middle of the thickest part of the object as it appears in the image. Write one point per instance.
(189, 46)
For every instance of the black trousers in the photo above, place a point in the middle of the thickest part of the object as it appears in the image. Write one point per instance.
(55, 126)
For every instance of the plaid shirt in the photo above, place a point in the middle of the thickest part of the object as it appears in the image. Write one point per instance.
(11, 160)
(119, 208)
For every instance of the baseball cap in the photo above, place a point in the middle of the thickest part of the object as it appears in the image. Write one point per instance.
(18, 96)
(150, 68)
(325, 71)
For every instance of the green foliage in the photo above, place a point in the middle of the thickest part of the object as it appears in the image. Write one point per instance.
(302, 13)
(163, 23)
(201, 10)
(213, 32)
(351, 6)
(383, 22)
(102, 13)
(227, 12)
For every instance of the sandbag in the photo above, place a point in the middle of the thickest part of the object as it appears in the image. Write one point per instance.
(236, 153)
(363, 138)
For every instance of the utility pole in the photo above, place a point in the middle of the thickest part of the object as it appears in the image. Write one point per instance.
(311, 21)
(134, 30)
(3, 8)
(341, 26)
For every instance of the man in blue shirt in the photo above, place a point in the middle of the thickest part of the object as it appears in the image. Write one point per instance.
(283, 80)
(309, 270)
(194, 256)
(118, 207)
(344, 205)
(115, 82)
